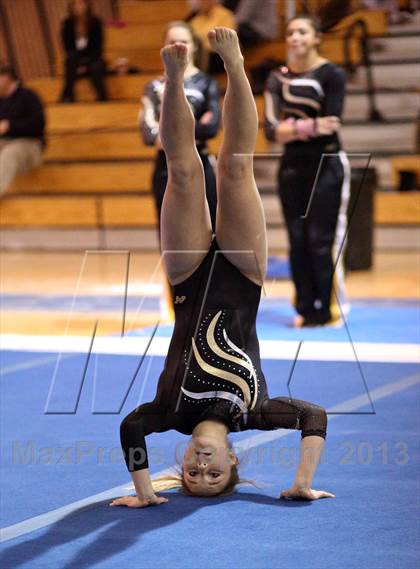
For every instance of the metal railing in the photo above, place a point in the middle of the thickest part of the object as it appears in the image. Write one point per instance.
(356, 28)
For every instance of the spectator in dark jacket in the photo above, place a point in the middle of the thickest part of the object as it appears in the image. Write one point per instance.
(22, 126)
(257, 24)
(82, 38)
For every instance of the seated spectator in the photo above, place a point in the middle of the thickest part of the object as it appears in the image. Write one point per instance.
(396, 15)
(82, 37)
(256, 25)
(208, 15)
(22, 126)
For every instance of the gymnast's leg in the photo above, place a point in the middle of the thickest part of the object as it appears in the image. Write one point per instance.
(240, 223)
(185, 218)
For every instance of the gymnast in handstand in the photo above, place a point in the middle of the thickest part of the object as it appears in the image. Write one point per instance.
(212, 382)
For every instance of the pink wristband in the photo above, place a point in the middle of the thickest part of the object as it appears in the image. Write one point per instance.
(306, 127)
(293, 122)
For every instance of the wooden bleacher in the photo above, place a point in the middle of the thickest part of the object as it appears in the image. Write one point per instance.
(43, 211)
(81, 117)
(141, 39)
(78, 118)
(123, 145)
(332, 44)
(397, 208)
(90, 146)
(139, 12)
(391, 208)
(375, 20)
(123, 177)
(79, 147)
(148, 60)
(127, 88)
(97, 172)
(332, 48)
(77, 212)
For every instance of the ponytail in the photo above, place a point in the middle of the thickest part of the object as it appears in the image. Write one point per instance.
(168, 482)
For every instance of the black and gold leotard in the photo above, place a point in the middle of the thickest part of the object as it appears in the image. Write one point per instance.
(213, 367)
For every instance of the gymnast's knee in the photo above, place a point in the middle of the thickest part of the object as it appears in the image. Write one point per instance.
(314, 422)
(235, 168)
(181, 173)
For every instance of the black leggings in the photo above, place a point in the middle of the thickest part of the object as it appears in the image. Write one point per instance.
(311, 238)
(95, 70)
(160, 179)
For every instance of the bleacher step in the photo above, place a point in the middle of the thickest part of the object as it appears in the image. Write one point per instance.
(124, 115)
(404, 75)
(403, 105)
(163, 11)
(91, 146)
(410, 27)
(135, 176)
(390, 208)
(130, 87)
(399, 47)
(131, 177)
(389, 238)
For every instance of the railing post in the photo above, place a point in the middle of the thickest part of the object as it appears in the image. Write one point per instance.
(290, 9)
(374, 113)
(114, 8)
(46, 33)
(8, 38)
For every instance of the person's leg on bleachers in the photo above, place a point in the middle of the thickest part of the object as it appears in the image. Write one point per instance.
(96, 71)
(70, 76)
(17, 157)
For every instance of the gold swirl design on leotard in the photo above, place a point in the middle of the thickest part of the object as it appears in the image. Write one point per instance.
(247, 364)
(287, 95)
(244, 361)
(238, 381)
(217, 395)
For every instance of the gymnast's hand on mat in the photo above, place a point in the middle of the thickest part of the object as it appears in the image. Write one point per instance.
(302, 493)
(136, 502)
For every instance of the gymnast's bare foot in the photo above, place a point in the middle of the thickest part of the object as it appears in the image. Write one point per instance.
(175, 60)
(224, 41)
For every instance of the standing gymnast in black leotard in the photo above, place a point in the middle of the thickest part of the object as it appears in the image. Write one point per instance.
(212, 382)
(304, 101)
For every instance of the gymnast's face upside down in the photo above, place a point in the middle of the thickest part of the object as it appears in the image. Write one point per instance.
(209, 466)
